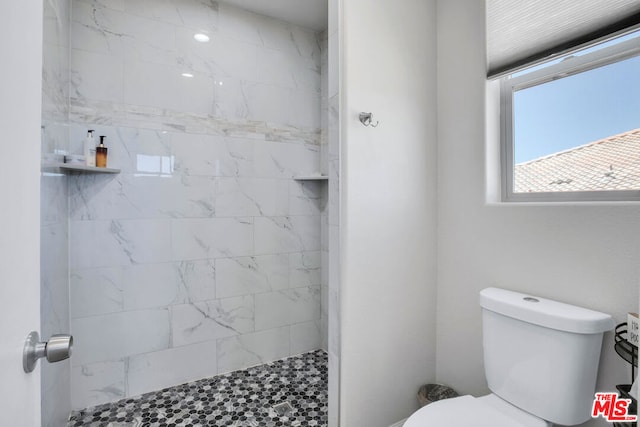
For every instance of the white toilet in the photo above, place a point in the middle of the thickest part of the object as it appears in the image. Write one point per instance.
(541, 361)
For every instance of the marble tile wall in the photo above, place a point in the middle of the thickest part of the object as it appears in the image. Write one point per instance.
(204, 254)
(54, 263)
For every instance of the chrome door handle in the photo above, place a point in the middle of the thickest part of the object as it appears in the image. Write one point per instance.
(58, 348)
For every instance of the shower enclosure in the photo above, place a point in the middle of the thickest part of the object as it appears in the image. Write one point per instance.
(207, 252)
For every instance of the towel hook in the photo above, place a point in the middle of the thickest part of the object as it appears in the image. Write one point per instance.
(367, 119)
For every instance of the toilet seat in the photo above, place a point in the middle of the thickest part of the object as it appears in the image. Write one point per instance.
(464, 411)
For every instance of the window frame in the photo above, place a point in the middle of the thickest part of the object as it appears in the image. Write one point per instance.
(568, 66)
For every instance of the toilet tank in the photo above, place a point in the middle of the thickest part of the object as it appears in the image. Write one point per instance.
(542, 355)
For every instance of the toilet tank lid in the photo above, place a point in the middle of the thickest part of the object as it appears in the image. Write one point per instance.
(545, 312)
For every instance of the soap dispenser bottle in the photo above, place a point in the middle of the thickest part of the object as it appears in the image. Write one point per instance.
(101, 153)
(90, 149)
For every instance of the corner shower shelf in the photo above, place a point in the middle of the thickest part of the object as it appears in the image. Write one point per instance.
(70, 167)
(311, 178)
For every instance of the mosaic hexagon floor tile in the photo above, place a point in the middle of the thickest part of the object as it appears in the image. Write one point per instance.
(288, 392)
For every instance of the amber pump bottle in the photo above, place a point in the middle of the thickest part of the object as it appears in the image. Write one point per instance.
(101, 154)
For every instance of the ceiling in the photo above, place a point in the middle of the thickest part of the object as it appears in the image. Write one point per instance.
(305, 13)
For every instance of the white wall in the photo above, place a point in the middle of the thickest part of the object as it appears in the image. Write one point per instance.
(586, 255)
(20, 103)
(387, 220)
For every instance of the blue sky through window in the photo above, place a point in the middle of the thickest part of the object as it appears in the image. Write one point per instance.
(576, 110)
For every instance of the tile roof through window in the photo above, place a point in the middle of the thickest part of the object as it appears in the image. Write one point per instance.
(611, 163)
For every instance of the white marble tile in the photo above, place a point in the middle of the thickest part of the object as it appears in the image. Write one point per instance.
(56, 393)
(211, 238)
(55, 81)
(240, 24)
(276, 34)
(54, 312)
(135, 151)
(288, 70)
(111, 4)
(178, 222)
(305, 337)
(197, 279)
(142, 151)
(209, 320)
(148, 40)
(287, 307)
(129, 196)
(54, 303)
(188, 196)
(151, 286)
(112, 336)
(233, 58)
(249, 275)
(222, 57)
(231, 98)
(123, 34)
(307, 75)
(167, 368)
(304, 108)
(212, 155)
(55, 14)
(96, 291)
(197, 56)
(55, 139)
(296, 41)
(96, 76)
(97, 29)
(277, 68)
(119, 242)
(96, 383)
(201, 15)
(251, 197)
(142, 195)
(247, 350)
(307, 197)
(285, 160)
(198, 14)
(268, 102)
(287, 234)
(53, 202)
(305, 269)
(163, 86)
(54, 259)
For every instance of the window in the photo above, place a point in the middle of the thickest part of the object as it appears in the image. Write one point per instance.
(571, 127)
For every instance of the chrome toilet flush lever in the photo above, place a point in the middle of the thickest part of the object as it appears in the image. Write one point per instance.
(367, 119)
(58, 348)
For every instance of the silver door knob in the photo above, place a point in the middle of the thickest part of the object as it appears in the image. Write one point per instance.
(58, 348)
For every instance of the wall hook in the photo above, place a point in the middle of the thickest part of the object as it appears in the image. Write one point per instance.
(367, 119)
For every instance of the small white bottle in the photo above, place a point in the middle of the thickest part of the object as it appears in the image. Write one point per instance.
(90, 149)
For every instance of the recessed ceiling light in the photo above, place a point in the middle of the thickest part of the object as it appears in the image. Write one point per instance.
(187, 75)
(202, 38)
